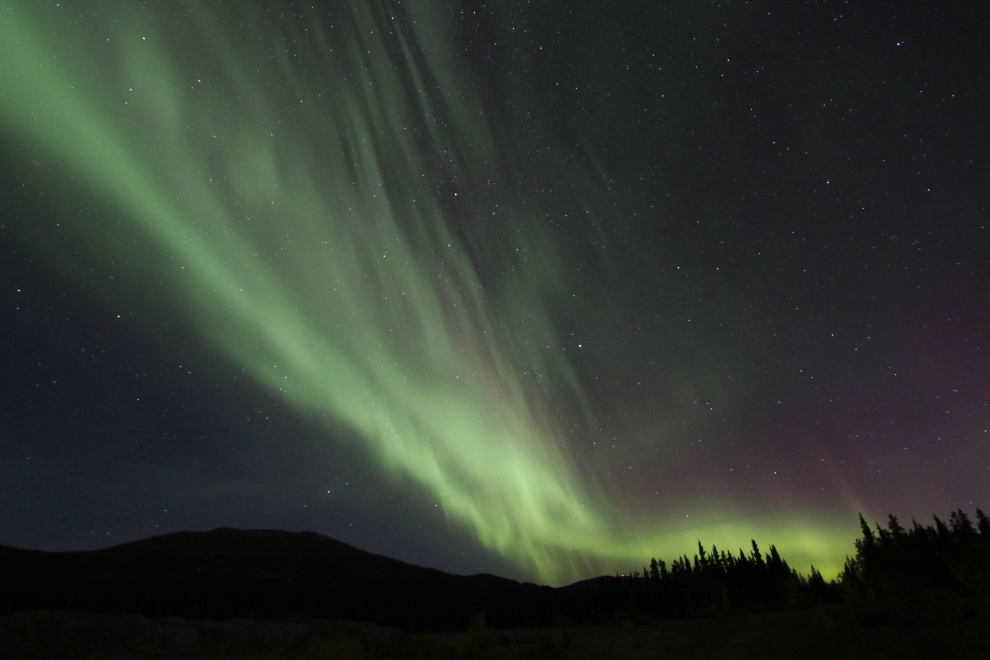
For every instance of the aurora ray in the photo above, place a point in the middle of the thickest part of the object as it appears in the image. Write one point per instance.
(340, 219)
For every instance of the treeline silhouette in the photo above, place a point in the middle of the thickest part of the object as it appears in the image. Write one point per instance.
(933, 575)
(937, 575)
(710, 583)
(270, 574)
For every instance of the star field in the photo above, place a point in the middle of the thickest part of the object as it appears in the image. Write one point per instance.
(539, 291)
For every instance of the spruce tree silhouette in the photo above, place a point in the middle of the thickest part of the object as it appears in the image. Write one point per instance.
(983, 525)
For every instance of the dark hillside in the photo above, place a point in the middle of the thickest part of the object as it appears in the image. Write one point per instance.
(227, 573)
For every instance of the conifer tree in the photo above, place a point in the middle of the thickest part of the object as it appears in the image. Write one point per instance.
(757, 557)
(940, 528)
(895, 528)
(868, 538)
(961, 524)
(983, 524)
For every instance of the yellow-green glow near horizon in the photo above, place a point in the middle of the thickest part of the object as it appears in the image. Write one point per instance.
(283, 166)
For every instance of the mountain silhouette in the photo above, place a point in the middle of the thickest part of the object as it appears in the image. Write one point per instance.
(228, 573)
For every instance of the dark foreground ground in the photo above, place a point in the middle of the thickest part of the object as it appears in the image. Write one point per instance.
(805, 635)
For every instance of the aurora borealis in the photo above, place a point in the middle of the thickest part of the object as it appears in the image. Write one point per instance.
(499, 282)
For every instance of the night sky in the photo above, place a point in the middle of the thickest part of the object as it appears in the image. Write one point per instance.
(539, 289)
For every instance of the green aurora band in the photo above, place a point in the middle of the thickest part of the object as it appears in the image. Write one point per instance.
(339, 219)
